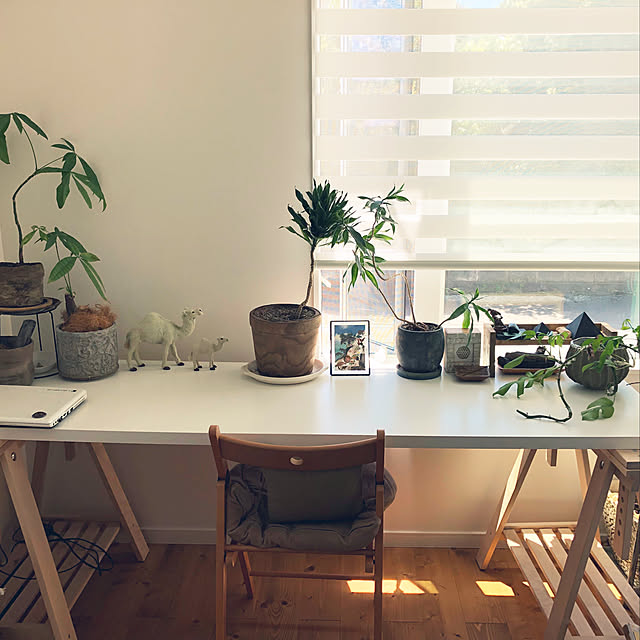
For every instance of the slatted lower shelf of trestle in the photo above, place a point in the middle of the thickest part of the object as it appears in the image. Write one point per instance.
(21, 602)
(606, 601)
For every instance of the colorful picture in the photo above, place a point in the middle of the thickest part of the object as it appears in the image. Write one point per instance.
(350, 347)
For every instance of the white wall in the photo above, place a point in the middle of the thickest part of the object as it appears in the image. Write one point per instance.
(196, 115)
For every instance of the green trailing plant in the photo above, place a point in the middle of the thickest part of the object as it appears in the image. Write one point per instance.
(603, 351)
(70, 165)
(60, 240)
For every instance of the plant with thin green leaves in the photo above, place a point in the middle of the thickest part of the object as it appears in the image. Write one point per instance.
(603, 351)
(61, 270)
(70, 165)
(367, 265)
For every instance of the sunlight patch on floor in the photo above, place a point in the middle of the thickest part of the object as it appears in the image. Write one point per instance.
(495, 588)
(407, 587)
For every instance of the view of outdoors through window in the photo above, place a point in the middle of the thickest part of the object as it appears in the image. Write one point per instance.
(548, 184)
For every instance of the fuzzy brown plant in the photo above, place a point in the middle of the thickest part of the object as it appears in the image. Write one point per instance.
(88, 318)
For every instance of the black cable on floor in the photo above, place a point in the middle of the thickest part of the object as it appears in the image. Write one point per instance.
(90, 552)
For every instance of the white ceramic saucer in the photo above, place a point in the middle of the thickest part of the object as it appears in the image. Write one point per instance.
(251, 370)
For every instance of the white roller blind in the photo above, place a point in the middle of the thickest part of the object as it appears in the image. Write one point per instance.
(512, 123)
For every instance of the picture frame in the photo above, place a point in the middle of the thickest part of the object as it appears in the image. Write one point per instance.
(350, 352)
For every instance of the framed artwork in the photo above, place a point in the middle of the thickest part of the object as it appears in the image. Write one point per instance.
(350, 348)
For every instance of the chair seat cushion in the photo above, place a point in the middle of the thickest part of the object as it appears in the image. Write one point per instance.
(248, 518)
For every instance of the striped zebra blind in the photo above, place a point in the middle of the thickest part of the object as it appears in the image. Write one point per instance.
(512, 123)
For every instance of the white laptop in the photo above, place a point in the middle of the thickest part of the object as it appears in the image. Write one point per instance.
(22, 406)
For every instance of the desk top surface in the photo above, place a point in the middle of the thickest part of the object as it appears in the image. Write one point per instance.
(152, 406)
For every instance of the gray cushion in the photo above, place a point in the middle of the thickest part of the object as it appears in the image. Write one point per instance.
(313, 496)
(248, 519)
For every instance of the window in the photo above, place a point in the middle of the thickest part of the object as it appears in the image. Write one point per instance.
(513, 125)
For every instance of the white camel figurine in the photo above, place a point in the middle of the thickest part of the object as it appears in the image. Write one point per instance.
(209, 348)
(157, 329)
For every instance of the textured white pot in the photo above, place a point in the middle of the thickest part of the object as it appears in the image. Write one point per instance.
(87, 355)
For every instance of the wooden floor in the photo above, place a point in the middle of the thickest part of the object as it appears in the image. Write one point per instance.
(171, 597)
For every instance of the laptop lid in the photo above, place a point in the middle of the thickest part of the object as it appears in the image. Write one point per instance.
(22, 406)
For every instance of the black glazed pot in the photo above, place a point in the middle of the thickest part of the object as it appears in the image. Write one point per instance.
(419, 352)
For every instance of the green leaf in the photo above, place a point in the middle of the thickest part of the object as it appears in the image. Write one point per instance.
(590, 414)
(49, 238)
(503, 389)
(83, 192)
(5, 121)
(17, 122)
(4, 152)
(62, 190)
(62, 268)
(70, 145)
(62, 146)
(514, 363)
(28, 237)
(95, 278)
(89, 257)
(95, 183)
(31, 124)
(71, 243)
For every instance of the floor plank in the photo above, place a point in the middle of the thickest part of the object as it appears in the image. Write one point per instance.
(172, 595)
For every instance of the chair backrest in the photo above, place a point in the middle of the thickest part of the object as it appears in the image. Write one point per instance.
(318, 458)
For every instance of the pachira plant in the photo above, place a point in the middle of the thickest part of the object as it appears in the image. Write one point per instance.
(77, 254)
(69, 165)
(604, 353)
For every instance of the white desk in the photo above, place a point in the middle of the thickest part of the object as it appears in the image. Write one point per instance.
(152, 406)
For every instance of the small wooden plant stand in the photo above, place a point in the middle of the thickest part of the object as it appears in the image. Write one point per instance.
(490, 340)
(25, 605)
(567, 569)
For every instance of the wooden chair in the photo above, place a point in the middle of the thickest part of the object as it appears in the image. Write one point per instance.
(320, 458)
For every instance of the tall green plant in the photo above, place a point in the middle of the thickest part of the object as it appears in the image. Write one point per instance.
(69, 165)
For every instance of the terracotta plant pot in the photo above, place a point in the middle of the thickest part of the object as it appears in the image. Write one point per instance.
(284, 348)
(87, 355)
(419, 352)
(592, 378)
(21, 285)
(16, 365)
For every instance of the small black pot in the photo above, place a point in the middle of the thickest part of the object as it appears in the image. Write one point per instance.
(420, 352)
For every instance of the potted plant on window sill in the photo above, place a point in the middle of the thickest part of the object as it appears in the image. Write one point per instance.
(21, 283)
(87, 339)
(419, 345)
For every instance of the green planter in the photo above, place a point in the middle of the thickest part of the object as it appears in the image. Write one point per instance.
(592, 378)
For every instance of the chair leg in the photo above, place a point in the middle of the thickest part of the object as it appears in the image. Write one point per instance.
(379, 552)
(245, 567)
(221, 565)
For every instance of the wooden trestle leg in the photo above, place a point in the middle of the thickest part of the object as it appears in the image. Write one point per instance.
(12, 460)
(115, 491)
(501, 517)
(577, 560)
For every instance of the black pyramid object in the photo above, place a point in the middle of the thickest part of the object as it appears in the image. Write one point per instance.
(583, 327)
(542, 328)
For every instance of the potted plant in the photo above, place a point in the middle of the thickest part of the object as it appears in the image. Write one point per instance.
(21, 283)
(285, 335)
(598, 363)
(87, 344)
(419, 345)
